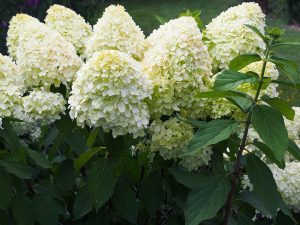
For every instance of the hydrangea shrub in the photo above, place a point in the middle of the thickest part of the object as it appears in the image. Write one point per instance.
(102, 125)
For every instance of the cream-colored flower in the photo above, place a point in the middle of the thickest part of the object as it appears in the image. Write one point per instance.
(180, 67)
(227, 36)
(111, 91)
(44, 56)
(44, 107)
(116, 30)
(70, 25)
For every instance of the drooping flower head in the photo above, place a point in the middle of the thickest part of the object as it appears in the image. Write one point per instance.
(44, 107)
(180, 67)
(170, 138)
(116, 30)
(228, 36)
(44, 56)
(18, 24)
(70, 25)
(110, 91)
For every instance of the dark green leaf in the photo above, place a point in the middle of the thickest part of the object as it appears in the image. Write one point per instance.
(287, 67)
(211, 133)
(243, 103)
(287, 83)
(294, 150)
(281, 106)
(206, 199)
(262, 179)
(242, 61)
(187, 179)
(6, 194)
(193, 122)
(45, 209)
(39, 158)
(251, 199)
(9, 136)
(83, 203)
(85, 157)
(92, 137)
(125, 202)
(65, 176)
(270, 154)
(228, 79)
(101, 182)
(22, 210)
(270, 126)
(15, 166)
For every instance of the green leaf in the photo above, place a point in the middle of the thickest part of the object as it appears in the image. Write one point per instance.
(85, 157)
(211, 133)
(125, 202)
(83, 203)
(101, 182)
(187, 179)
(206, 199)
(257, 31)
(22, 210)
(243, 103)
(242, 61)
(294, 150)
(9, 136)
(92, 137)
(65, 176)
(251, 199)
(193, 122)
(270, 154)
(287, 83)
(281, 106)
(270, 126)
(39, 158)
(220, 94)
(6, 194)
(287, 67)
(228, 79)
(45, 209)
(15, 166)
(262, 179)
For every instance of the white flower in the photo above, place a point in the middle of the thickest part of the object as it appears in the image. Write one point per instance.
(17, 25)
(170, 138)
(9, 99)
(43, 55)
(9, 74)
(43, 106)
(116, 30)
(293, 127)
(288, 184)
(228, 36)
(110, 91)
(180, 67)
(70, 25)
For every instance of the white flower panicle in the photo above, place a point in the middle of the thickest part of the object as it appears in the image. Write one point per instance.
(44, 56)
(228, 36)
(170, 138)
(293, 127)
(18, 24)
(111, 91)
(180, 67)
(10, 74)
(70, 25)
(288, 184)
(9, 100)
(116, 30)
(44, 107)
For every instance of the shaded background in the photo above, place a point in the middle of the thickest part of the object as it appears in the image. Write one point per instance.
(283, 13)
